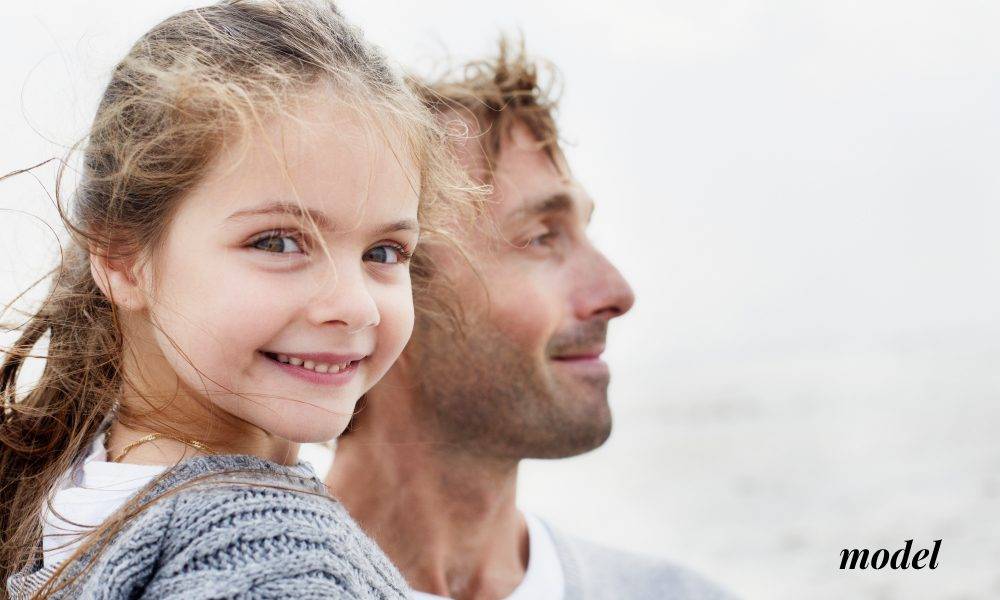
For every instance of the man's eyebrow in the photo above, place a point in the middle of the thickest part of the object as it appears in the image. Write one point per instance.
(322, 221)
(556, 203)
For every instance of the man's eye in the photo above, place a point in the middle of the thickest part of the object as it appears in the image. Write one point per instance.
(387, 254)
(278, 244)
(542, 240)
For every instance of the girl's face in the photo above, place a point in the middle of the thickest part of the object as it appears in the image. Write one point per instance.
(289, 321)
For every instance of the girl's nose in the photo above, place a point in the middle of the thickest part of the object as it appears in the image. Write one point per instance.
(344, 298)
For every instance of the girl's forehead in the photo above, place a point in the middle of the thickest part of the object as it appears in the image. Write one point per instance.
(321, 129)
(325, 157)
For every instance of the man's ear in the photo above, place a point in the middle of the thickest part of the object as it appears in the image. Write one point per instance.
(117, 280)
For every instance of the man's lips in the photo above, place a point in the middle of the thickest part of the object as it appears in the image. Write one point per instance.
(577, 357)
(587, 364)
(580, 355)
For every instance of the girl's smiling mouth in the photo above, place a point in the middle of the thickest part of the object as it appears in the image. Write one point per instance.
(321, 368)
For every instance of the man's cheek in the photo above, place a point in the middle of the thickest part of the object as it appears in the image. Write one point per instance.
(524, 316)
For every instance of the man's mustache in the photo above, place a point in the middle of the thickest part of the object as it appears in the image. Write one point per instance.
(586, 338)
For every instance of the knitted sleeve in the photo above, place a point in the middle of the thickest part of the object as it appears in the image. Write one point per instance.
(267, 542)
(124, 567)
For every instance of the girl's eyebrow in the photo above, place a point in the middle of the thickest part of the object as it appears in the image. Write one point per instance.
(318, 217)
(284, 208)
(404, 225)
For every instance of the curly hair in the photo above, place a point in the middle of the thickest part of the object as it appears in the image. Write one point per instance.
(497, 92)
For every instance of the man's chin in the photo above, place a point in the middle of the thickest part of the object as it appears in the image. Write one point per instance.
(573, 443)
(582, 427)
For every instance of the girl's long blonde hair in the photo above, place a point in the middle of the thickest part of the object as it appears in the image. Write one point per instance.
(195, 80)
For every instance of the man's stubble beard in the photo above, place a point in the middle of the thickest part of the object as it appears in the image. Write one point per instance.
(483, 395)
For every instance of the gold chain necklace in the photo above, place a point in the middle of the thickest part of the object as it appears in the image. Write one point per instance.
(200, 446)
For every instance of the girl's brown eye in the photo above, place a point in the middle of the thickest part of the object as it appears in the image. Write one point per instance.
(281, 244)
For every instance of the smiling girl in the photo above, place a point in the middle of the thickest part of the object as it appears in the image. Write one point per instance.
(253, 185)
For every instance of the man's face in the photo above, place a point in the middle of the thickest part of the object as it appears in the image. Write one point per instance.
(527, 380)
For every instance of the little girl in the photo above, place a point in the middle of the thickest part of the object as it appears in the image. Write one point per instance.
(253, 185)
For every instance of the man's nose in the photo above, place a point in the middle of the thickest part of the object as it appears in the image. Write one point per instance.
(601, 291)
(343, 296)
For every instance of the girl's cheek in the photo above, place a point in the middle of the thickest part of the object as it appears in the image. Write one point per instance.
(396, 318)
(242, 312)
(253, 287)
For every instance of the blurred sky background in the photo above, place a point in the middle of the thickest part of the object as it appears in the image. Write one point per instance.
(803, 195)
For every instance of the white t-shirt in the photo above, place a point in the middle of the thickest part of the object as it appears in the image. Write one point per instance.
(86, 496)
(544, 578)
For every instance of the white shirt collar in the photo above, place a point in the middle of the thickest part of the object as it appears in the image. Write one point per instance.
(544, 579)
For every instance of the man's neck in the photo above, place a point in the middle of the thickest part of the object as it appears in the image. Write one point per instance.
(448, 521)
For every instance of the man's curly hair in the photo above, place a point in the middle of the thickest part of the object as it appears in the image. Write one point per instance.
(497, 92)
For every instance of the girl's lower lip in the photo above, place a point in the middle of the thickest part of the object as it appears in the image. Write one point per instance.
(340, 378)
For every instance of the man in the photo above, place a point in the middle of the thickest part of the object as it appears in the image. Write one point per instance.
(429, 467)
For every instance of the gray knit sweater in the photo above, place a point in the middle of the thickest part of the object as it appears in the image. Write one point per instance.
(239, 532)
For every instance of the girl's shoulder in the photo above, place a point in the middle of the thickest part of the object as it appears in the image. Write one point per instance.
(222, 492)
(222, 526)
(241, 523)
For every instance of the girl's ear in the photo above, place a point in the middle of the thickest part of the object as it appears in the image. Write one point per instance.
(115, 277)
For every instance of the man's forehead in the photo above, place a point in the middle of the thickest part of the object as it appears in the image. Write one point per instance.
(527, 179)
(522, 194)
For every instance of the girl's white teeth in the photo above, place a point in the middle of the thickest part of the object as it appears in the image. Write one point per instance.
(311, 365)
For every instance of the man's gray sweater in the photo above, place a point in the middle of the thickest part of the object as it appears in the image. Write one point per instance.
(244, 528)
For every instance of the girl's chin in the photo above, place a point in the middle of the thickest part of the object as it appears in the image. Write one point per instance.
(311, 426)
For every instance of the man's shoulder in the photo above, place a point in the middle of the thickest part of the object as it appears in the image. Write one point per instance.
(596, 571)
